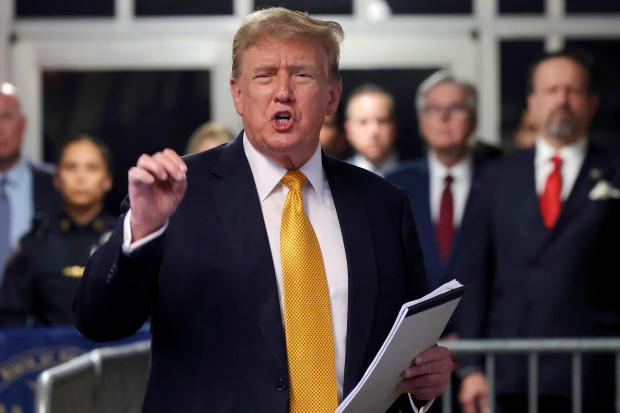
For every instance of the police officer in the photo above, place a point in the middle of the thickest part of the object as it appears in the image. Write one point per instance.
(43, 274)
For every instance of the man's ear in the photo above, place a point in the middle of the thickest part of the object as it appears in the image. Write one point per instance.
(594, 102)
(235, 92)
(107, 184)
(335, 91)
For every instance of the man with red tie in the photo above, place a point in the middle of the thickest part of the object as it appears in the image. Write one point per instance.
(541, 250)
(438, 185)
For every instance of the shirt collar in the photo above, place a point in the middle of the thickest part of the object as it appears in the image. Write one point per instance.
(17, 173)
(461, 171)
(268, 174)
(574, 151)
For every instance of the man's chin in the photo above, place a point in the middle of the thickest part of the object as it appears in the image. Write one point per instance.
(561, 130)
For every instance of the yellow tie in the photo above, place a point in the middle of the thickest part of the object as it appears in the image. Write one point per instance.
(307, 314)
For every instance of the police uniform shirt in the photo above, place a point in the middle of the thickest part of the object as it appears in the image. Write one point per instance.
(43, 274)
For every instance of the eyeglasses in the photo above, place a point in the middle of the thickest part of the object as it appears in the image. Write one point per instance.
(454, 109)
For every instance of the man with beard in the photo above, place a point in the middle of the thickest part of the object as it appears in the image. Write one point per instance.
(541, 251)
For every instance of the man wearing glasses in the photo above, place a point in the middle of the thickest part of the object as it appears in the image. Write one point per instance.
(438, 185)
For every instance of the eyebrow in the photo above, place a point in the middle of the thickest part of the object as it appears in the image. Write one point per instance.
(291, 68)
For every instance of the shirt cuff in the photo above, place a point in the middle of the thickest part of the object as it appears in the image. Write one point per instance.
(128, 246)
(422, 409)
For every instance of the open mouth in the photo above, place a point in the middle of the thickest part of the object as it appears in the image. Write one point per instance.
(282, 120)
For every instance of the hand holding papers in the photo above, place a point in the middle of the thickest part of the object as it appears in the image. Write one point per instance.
(417, 327)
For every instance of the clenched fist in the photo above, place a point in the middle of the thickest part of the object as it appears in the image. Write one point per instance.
(156, 187)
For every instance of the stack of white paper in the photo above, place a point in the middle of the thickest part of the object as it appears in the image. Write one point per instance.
(417, 327)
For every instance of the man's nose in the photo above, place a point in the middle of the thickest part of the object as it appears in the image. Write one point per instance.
(283, 92)
(562, 96)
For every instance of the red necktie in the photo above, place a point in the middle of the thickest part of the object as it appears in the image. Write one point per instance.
(445, 226)
(550, 201)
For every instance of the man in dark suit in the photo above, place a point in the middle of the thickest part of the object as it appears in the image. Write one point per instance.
(211, 249)
(27, 193)
(541, 254)
(438, 185)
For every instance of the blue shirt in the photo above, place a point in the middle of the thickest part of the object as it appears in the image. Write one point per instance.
(21, 200)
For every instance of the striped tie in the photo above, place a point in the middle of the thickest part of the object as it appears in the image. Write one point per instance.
(307, 314)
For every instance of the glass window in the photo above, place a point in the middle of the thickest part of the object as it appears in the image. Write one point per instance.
(606, 123)
(516, 58)
(430, 6)
(521, 6)
(132, 111)
(66, 8)
(592, 6)
(313, 7)
(182, 7)
(402, 84)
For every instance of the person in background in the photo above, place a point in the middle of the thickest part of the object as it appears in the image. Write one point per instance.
(527, 132)
(541, 258)
(208, 136)
(332, 139)
(370, 129)
(45, 271)
(438, 185)
(271, 273)
(26, 190)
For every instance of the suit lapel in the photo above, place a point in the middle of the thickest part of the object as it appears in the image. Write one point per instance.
(524, 203)
(361, 263)
(239, 207)
(584, 183)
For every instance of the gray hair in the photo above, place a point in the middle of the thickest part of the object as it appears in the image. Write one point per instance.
(441, 77)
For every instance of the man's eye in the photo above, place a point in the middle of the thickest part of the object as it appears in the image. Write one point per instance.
(303, 75)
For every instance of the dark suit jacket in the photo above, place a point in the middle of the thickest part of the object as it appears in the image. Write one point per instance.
(47, 201)
(209, 286)
(526, 281)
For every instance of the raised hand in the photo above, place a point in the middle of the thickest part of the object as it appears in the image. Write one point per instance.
(156, 187)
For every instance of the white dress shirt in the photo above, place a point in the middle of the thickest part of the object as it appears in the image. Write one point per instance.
(20, 194)
(320, 208)
(572, 158)
(461, 173)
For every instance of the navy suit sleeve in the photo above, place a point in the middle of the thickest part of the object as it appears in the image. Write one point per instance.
(478, 269)
(415, 280)
(413, 253)
(116, 293)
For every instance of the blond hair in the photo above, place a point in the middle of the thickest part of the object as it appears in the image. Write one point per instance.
(213, 131)
(278, 22)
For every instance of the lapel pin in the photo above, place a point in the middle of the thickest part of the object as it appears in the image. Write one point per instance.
(595, 173)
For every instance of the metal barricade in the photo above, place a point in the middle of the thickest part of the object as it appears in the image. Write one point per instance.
(105, 380)
(533, 348)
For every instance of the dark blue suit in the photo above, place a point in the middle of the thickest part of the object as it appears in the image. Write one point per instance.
(526, 281)
(414, 178)
(209, 286)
